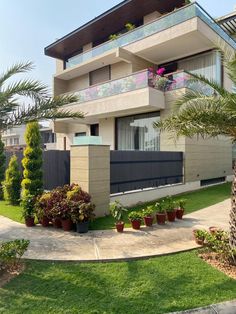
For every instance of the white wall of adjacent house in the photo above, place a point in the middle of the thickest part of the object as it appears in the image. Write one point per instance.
(14, 136)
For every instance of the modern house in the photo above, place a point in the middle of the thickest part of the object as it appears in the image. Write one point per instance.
(14, 137)
(111, 64)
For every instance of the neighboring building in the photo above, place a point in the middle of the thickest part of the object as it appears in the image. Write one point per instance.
(117, 91)
(14, 137)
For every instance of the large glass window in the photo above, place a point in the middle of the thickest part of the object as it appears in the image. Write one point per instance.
(137, 132)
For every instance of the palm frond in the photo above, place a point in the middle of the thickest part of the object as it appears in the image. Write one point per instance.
(15, 69)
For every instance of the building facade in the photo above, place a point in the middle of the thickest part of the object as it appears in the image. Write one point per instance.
(127, 67)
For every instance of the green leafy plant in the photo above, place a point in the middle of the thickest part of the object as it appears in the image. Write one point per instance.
(135, 215)
(32, 183)
(160, 207)
(130, 26)
(169, 204)
(11, 184)
(11, 252)
(2, 166)
(200, 234)
(117, 210)
(181, 203)
(28, 206)
(113, 36)
(148, 212)
(82, 212)
(43, 206)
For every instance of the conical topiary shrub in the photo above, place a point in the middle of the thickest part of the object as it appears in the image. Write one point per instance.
(12, 182)
(2, 167)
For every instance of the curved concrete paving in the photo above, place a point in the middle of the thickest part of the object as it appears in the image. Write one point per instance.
(51, 244)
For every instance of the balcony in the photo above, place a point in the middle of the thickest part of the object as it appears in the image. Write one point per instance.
(163, 23)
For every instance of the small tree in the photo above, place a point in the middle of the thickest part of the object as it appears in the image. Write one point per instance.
(2, 167)
(32, 183)
(11, 185)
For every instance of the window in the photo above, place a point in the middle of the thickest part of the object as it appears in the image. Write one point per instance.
(100, 75)
(16, 141)
(94, 129)
(137, 132)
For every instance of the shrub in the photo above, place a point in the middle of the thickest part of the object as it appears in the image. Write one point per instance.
(169, 204)
(11, 252)
(11, 184)
(117, 210)
(82, 212)
(160, 207)
(134, 215)
(181, 203)
(2, 167)
(43, 206)
(28, 206)
(32, 183)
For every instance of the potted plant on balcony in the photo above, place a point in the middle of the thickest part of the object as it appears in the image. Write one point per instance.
(170, 209)
(28, 203)
(148, 216)
(117, 210)
(135, 219)
(81, 214)
(160, 212)
(180, 206)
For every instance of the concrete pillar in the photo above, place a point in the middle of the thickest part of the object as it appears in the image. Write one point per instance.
(90, 168)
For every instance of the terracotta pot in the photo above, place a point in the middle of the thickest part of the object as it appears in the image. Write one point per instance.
(67, 224)
(161, 218)
(213, 230)
(198, 241)
(45, 221)
(56, 223)
(148, 221)
(120, 226)
(136, 224)
(179, 213)
(171, 216)
(29, 222)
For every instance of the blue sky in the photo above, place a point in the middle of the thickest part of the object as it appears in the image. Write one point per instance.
(28, 26)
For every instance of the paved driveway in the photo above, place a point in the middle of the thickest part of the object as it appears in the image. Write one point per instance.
(51, 244)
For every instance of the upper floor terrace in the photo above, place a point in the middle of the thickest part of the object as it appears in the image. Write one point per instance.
(179, 33)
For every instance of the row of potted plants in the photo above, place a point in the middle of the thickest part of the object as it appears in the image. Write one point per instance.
(64, 207)
(165, 210)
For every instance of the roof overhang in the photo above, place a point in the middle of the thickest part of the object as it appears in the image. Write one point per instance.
(108, 23)
(228, 23)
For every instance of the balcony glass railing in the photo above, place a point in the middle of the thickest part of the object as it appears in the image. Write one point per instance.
(115, 87)
(176, 17)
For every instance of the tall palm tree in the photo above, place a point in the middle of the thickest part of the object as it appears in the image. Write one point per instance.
(14, 112)
(207, 115)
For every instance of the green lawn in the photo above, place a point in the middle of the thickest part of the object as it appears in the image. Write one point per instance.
(158, 285)
(195, 201)
(12, 212)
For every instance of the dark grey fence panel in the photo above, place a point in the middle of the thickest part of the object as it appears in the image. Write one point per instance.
(134, 170)
(56, 167)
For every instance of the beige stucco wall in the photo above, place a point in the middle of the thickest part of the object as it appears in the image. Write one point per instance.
(120, 69)
(78, 83)
(151, 17)
(59, 66)
(107, 131)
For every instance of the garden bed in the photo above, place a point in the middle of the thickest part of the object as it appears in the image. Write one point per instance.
(223, 266)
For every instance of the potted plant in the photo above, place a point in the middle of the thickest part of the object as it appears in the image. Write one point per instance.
(43, 208)
(199, 236)
(117, 210)
(135, 219)
(180, 206)
(28, 203)
(148, 216)
(81, 214)
(161, 213)
(65, 214)
(170, 209)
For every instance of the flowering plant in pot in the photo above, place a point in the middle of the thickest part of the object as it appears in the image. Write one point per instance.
(117, 210)
(170, 209)
(135, 219)
(43, 208)
(200, 236)
(148, 216)
(28, 203)
(160, 212)
(180, 207)
(81, 214)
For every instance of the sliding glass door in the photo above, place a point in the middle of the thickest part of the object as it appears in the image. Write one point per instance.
(137, 133)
